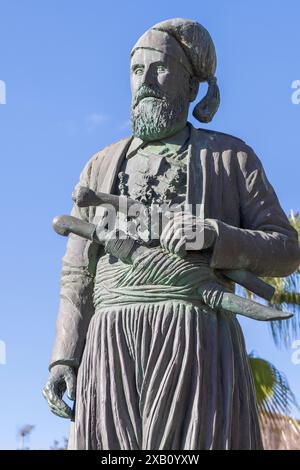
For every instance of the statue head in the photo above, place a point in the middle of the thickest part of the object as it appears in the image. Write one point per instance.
(168, 63)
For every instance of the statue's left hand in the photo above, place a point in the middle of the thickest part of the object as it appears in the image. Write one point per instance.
(186, 232)
(62, 378)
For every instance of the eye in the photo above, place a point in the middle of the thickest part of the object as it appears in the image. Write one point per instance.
(161, 68)
(138, 70)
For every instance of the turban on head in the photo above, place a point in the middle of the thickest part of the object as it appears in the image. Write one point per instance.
(191, 44)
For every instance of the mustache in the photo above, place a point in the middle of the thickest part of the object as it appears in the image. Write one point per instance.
(146, 91)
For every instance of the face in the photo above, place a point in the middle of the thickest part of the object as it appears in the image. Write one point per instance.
(160, 88)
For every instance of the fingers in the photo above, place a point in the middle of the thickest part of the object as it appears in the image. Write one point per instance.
(53, 394)
(172, 238)
(70, 379)
(61, 414)
(186, 232)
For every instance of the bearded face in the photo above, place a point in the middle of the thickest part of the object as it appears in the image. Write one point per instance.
(160, 95)
(155, 114)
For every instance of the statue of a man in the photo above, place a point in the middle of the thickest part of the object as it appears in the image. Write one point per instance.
(152, 366)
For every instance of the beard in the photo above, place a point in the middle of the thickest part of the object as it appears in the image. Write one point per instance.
(155, 115)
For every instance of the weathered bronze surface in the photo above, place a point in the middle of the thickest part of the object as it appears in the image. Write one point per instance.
(147, 339)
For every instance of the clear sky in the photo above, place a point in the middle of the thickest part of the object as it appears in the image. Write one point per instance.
(66, 68)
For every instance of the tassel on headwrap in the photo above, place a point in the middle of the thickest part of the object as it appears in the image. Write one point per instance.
(205, 110)
(197, 53)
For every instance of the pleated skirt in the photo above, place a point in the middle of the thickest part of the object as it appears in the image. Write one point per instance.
(165, 376)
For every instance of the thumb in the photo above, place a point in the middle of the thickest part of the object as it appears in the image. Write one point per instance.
(70, 379)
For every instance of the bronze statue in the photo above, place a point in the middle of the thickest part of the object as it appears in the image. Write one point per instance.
(147, 335)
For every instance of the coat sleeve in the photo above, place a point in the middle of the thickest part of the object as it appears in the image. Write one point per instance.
(265, 243)
(76, 293)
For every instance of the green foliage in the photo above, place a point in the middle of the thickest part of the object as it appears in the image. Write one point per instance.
(287, 297)
(274, 396)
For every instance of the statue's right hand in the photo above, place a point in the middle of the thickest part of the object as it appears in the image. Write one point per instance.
(62, 378)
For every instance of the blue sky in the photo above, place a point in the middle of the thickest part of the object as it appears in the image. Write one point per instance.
(66, 68)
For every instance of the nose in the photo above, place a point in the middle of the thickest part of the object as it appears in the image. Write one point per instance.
(149, 76)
